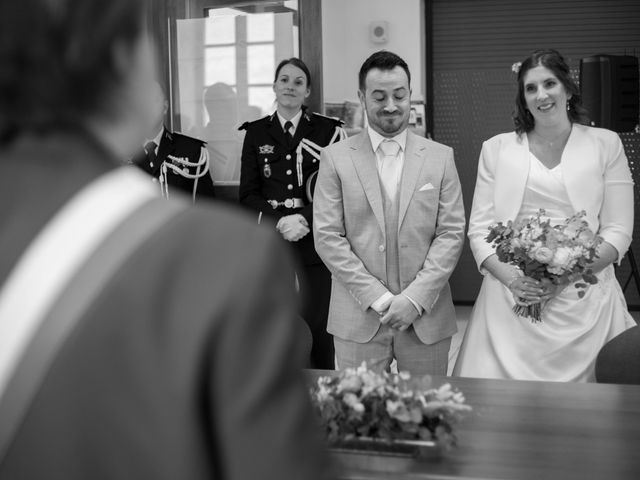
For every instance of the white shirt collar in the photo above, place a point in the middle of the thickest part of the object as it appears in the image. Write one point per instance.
(295, 120)
(377, 139)
(155, 140)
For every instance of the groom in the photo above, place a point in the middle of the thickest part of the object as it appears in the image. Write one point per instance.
(389, 224)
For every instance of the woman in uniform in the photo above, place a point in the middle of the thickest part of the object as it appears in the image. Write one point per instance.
(280, 160)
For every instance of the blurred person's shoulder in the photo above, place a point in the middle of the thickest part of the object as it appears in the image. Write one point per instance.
(216, 236)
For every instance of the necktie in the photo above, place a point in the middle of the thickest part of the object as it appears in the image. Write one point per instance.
(287, 133)
(389, 171)
(150, 148)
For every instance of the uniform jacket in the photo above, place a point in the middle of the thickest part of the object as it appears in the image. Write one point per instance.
(269, 169)
(350, 235)
(186, 366)
(596, 175)
(178, 145)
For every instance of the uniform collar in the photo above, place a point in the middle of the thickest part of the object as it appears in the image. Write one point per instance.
(295, 120)
(377, 139)
(156, 140)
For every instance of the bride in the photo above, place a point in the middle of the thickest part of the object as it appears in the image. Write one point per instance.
(551, 161)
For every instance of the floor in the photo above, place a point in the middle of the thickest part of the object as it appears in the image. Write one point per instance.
(463, 314)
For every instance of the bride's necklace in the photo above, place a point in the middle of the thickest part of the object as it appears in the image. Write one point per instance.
(560, 139)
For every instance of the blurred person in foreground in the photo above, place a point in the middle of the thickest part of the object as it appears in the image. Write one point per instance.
(122, 353)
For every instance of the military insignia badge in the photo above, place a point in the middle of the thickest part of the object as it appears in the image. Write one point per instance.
(267, 171)
(266, 149)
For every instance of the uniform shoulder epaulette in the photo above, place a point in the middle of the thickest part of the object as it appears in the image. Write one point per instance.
(186, 138)
(336, 120)
(246, 125)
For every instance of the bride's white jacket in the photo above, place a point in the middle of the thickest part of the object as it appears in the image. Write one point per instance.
(596, 175)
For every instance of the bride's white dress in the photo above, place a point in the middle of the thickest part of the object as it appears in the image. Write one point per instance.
(563, 347)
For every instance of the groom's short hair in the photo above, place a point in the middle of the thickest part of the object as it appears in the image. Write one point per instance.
(381, 60)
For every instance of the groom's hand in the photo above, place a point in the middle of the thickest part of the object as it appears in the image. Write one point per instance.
(401, 314)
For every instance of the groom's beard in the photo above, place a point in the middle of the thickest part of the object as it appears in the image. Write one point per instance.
(390, 123)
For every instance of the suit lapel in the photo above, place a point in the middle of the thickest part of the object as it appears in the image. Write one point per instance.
(413, 162)
(276, 131)
(305, 126)
(364, 161)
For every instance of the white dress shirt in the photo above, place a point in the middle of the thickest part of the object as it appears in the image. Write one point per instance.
(156, 140)
(295, 121)
(390, 171)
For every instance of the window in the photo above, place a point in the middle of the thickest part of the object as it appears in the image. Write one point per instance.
(226, 64)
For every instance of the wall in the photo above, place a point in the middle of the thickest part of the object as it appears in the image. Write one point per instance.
(346, 43)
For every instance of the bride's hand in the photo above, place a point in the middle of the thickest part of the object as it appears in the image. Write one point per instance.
(526, 291)
(552, 290)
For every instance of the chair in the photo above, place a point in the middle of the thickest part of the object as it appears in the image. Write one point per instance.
(619, 360)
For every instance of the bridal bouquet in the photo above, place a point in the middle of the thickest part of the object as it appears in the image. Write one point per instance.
(361, 404)
(554, 255)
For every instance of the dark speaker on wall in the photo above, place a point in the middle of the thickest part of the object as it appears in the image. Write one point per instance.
(610, 90)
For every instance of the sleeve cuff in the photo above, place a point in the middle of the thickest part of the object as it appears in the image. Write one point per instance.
(619, 241)
(381, 302)
(415, 304)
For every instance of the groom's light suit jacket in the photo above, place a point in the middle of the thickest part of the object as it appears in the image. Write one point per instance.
(350, 232)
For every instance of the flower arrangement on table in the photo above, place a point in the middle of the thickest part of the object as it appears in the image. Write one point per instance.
(360, 404)
(552, 254)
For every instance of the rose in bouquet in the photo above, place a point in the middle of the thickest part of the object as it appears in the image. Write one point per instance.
(361, 404)
(555, 255)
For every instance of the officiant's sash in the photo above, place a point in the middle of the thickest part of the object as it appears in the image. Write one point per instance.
(61, 274)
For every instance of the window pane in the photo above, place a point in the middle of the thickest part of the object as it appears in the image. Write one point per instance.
(220, 65)
(261, 63)
(220, 30)
(262, 98)
(260, 27)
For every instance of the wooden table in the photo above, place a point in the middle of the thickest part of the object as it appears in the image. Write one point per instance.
(526, 430)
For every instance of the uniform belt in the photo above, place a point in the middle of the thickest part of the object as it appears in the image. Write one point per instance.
(287, 203)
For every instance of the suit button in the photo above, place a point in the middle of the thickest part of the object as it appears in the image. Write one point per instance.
(151, 164)
(289, 172)
(381, 248)
(288, 157)
(289, 187)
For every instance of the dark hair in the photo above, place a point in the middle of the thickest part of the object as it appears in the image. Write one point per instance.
(57, 60)
(381, 60)
(296, 62)
(554, 61)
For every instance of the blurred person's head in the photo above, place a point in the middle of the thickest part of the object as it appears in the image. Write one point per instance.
(292, 84)
(158, 108)
(220, 101)
(385, 93)
(546, 92)
(69, 64)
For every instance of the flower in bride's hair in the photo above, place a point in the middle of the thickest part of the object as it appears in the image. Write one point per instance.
(515, 68)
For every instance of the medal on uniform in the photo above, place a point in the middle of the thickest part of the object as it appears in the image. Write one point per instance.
(267, 171)
(266, 149)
